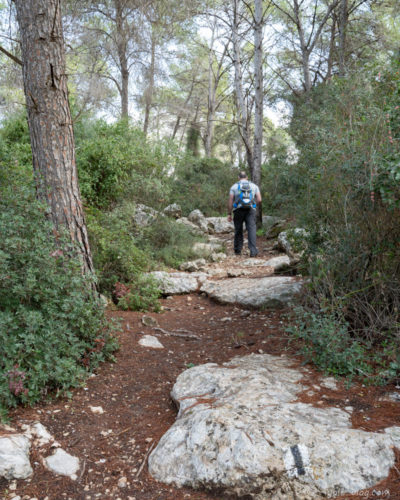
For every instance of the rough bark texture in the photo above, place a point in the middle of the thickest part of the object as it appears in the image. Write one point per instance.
(49, 118)
(259, 96)
(342, 26)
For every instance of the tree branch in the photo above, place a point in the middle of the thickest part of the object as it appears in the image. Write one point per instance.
(11, 56)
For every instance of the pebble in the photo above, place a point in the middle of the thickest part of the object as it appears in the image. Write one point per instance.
(123, 482)
(97, 409)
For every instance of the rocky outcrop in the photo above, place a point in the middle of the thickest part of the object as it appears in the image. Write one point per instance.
(254, 292)
(293, 242)
(197, 218)
(220, 225)
(174, 210)
(240, 428)
(143, 215)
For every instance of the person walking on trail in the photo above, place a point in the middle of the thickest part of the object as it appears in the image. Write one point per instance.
(243, 199)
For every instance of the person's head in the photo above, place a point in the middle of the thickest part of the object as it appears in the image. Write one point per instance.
(242, 175)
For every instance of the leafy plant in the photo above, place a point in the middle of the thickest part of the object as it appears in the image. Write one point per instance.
(52, 327)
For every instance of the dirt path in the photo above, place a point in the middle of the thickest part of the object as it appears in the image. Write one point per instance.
(134, 396)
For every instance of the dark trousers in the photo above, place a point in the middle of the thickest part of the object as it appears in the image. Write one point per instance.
(248, 216)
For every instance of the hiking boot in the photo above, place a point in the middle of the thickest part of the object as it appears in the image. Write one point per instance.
(253, 254)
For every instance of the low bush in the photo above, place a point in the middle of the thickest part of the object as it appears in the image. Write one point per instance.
(328, 344)
(52, 328)
(116, 255)
(141, 295)
(168, 242)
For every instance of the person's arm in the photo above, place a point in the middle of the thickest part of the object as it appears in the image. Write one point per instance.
(230, 207)
(258, 197)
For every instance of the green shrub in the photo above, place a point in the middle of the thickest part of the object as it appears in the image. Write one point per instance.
(168, 242)
(115, 162)
(52, 329)
(328, 345)
(116, 255)
(141, 295)
(202, 183)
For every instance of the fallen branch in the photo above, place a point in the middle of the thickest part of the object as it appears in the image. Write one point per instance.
(174, 334)
(145, 458)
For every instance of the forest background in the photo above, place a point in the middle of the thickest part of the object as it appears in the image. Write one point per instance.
(168, 100)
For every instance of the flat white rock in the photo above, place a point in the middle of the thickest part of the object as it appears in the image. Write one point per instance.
(273, 291)
(63, 463)
(14, 457)
(150, 341)
(220, 225)
(240, 429)
(178, 283)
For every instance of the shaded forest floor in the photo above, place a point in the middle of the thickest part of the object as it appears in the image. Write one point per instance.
(134, 394)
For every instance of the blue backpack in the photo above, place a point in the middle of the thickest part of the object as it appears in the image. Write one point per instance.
(246, 196)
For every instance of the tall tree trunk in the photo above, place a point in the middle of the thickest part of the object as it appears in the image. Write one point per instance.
(49, 119)
(243, 121)
(342, 28)
(123, 59)
(150, 87)
(208, 135)
(259, 97)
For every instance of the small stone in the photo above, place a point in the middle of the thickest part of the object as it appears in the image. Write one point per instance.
(63, 463)
(151, 341)
(97, 409)
(13, 485)
(149, 440)
(123, 482)
(149, 321)
(226, 319)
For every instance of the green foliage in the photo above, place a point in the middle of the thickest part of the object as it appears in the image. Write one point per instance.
(142, 295)
(116, 162)
(167, 241)
(116, 255)
(52, 328)
(202, 183)
(328, 345)
(345, 193)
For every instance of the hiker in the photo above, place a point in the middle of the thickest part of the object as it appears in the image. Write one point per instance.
(243, 199)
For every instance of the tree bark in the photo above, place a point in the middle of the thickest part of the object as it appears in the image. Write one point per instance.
(122, 49)
(259, 97)
(49, 119)
(342, 28)
(150, 87)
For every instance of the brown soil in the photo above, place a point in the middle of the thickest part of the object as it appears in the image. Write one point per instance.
(134, 393)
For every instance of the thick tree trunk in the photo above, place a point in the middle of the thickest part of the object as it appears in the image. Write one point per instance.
(49, 118)
(259, 97)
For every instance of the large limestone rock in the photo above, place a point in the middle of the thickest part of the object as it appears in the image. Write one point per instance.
(240, 429)
(14, 457)
(178, 283)
(220, 225)
(268, 292)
